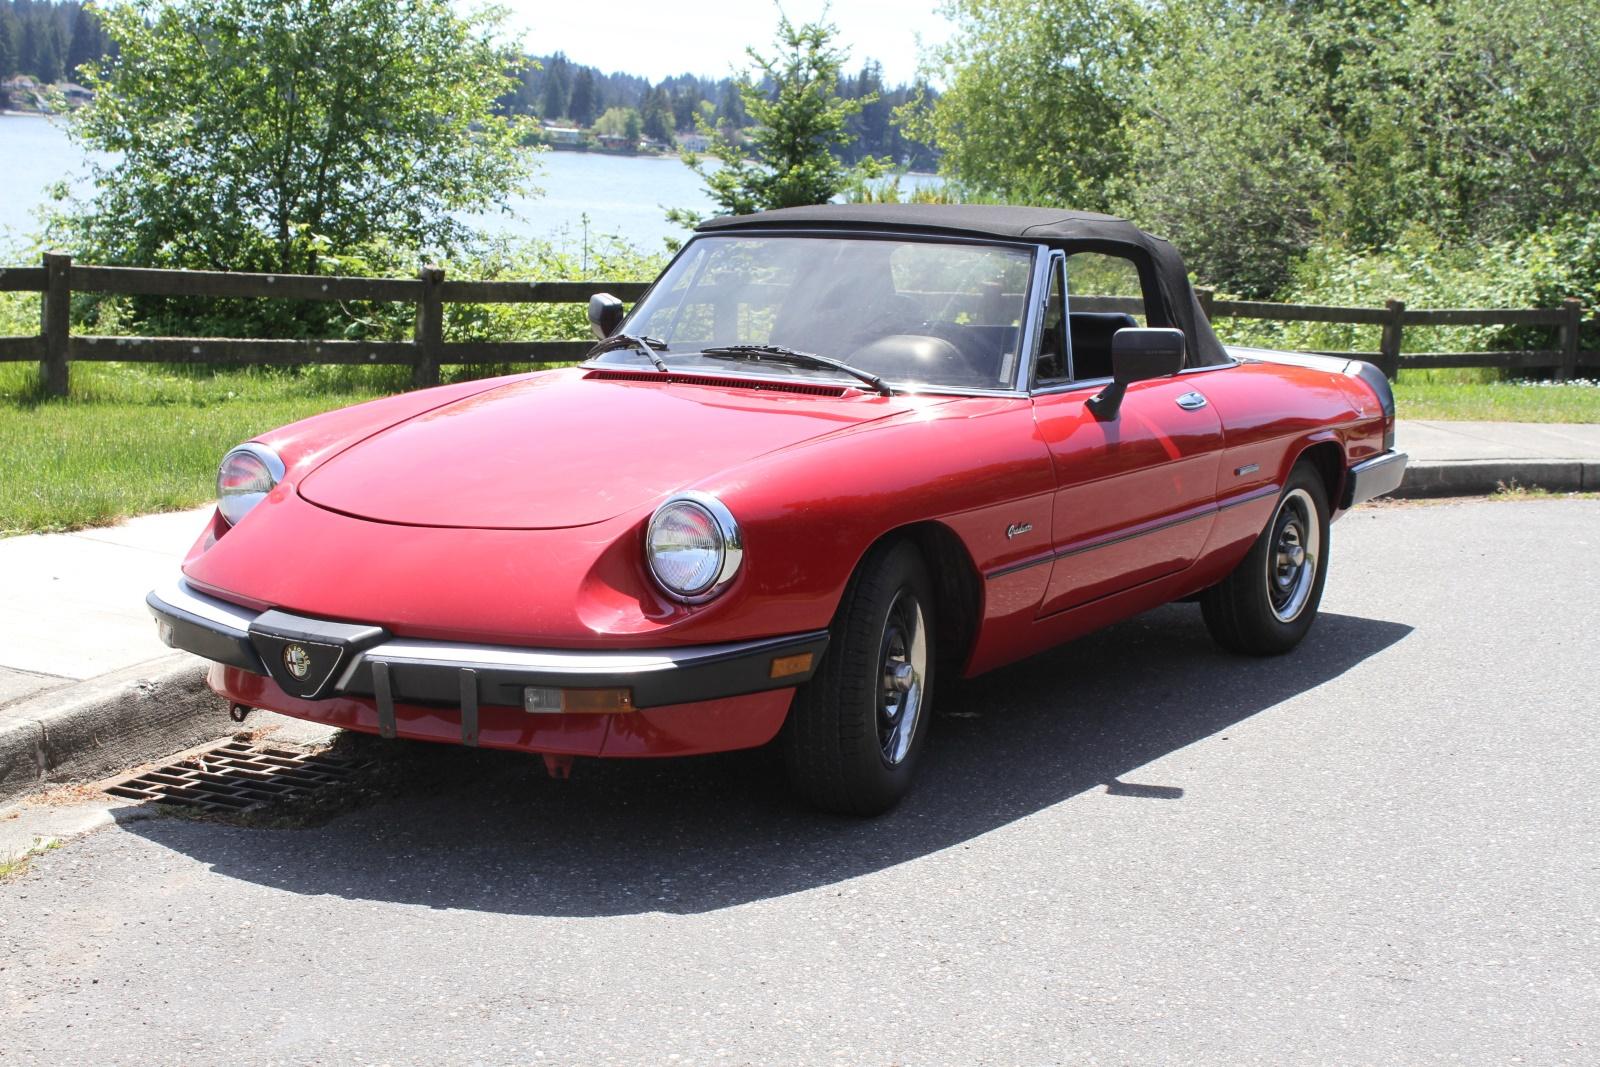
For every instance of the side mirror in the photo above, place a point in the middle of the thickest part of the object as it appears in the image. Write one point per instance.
(605, 315)
(1137, 355)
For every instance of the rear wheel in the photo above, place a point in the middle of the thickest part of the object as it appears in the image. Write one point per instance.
(856, 729)
(1266, 606)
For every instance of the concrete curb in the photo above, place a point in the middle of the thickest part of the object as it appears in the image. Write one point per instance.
(1483, 476)
(100, 726)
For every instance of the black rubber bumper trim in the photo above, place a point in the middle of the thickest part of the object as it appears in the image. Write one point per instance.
(1374, 477)
(739, 672)
(190, 633)
(735, 671)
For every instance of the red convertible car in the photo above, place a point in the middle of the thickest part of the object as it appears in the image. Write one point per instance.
(833, 455)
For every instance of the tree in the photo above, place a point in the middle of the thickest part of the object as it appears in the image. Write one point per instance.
(8, 46)
(685, 106)
(800, 120)
(620, 122)
(1266, 129)
(43, 52)
(87, 43)
(656, 114)
(730, 107)
(1035, 97)
(1229, 151)
(1254, 131)
(584, 105)
(557, 75)
(303, 129)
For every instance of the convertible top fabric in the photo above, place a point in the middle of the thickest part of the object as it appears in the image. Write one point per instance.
(1057, 227)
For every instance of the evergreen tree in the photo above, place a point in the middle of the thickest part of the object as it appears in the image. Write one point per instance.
(87, 42)
(685, 105)
(584, 105)
(730, 108)
(800, 120)
(557, 79)
(656, 116)
(8, 45)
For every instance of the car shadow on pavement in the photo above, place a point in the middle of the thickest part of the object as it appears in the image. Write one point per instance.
(489, 831)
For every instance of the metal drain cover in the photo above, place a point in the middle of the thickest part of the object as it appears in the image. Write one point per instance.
(237, 776)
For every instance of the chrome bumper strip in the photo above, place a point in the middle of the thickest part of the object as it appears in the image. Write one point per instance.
(225, 617)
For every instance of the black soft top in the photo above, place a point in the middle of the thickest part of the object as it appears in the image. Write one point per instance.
(1058, 227)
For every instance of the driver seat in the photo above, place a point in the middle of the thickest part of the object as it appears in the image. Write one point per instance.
(1091, 341)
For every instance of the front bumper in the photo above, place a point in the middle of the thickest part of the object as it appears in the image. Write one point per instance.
(364, 661)
(1373, 478)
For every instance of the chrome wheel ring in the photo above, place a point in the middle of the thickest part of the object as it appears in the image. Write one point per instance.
(902, 670)
(1293, 556)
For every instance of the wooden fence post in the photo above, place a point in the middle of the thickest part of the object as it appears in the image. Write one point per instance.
(430, 329)
(1207, 297)
(1389, 344)
(1570, 325)
(55, 322)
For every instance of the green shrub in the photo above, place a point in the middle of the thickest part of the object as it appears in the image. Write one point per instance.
(1539, 270)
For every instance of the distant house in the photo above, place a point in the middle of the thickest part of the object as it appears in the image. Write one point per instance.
(615, 142)
(693, 142)
(562, 134)
(76, 95)
(21, 91)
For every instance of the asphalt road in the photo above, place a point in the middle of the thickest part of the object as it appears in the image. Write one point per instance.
(1136, 849)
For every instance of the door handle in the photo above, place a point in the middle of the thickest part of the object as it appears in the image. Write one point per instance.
(1191, 401)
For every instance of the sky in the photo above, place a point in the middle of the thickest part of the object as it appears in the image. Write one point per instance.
(658, 38)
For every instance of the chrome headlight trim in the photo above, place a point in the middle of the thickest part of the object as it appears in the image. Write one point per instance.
(235, 506)
(730, 538)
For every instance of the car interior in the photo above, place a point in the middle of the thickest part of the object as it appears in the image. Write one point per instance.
(1091, 341)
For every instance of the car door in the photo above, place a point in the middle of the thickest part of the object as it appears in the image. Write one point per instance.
(1135, 494)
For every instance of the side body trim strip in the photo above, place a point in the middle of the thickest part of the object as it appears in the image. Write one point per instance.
(1106, 540)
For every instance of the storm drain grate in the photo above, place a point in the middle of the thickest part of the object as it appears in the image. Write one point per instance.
(237, 776)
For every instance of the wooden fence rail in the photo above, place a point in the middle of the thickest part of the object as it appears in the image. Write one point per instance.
(55, 347)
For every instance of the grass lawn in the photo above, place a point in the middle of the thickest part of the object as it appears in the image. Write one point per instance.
(1446, 395)
(134, 439)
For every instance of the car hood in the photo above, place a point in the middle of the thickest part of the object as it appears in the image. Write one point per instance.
(573, 448)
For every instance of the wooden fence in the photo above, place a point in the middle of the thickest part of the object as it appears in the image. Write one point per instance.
(55, 347)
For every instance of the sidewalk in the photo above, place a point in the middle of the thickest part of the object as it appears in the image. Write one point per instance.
(86, 687)
(1471, 458)
(85, 682)
(72, 605)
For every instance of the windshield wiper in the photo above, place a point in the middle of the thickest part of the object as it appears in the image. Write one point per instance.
(647, 345)
(780, 354)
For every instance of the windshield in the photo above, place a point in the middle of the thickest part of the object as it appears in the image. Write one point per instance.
(913, 312)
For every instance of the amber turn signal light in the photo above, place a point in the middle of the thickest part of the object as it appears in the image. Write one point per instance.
(548, 700)
(786, 666)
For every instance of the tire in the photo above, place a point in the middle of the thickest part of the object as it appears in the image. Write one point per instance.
(1267, 605)
(853, 736)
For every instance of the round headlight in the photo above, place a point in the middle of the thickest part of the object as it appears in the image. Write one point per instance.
(245, 477)
(694, 547)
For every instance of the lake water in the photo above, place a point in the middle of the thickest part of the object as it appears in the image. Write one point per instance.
(626, 196)
(623, 195)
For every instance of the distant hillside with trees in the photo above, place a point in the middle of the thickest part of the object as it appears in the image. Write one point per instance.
(556, 90)
(48, 41)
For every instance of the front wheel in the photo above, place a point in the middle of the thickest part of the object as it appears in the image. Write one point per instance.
(856, 729)
(1266, 606)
